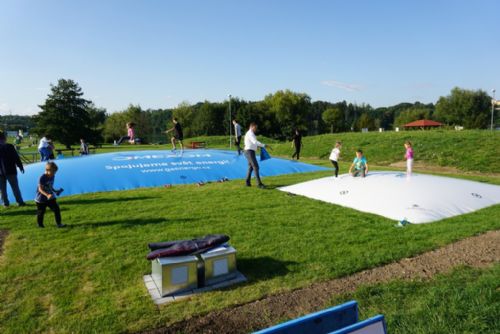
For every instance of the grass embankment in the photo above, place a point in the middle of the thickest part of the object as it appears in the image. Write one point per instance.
(464, 301)
(471, 150)
(88, 277)
(464, 150)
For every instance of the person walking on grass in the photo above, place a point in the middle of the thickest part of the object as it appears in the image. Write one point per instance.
(237, 135)
(46, 195)
(297, 143)
(251, 145)
(9, 162)
(178, 135)
(130, 134)
(84, 148)
(335, 156)
(409, 158)
(359, 165)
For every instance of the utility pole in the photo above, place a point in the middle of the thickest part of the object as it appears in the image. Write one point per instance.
(230, 122)
(493, 103)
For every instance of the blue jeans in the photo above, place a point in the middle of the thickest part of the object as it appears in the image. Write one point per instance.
(12, 179)
(253, 166)
(44, 154)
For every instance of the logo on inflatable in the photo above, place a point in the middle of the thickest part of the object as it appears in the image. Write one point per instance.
(130, 157)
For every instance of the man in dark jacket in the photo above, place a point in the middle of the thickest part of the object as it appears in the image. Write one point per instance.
(9, 160)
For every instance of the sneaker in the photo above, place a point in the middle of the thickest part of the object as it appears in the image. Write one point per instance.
(22, 204)
(248, 184)
(61, 225)
(262, 186)
(41, 226)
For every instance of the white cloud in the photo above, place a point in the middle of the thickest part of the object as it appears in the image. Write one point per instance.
(343, 85)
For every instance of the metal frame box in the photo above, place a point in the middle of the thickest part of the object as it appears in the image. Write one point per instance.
(175, 274)
(220, 265)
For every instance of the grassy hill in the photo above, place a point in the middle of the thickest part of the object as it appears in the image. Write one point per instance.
(471, 150)
(465, 150)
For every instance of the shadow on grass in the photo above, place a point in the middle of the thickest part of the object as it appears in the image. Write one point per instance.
(103, 200)
(131, 222)
(263, 268)
(29, 210)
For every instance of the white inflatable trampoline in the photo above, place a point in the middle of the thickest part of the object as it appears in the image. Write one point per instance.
(418, 199)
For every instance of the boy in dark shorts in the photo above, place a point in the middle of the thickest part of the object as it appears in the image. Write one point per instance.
(46, 195)
(178, 135)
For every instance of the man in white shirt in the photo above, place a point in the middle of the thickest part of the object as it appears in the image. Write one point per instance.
(44, 148)
(251, 145)
(237, 135)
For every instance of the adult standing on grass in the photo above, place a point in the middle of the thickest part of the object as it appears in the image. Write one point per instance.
(251, 145)
(297, 143)
(45, 148)
(237, 135)
(9, 162)
(178, 135)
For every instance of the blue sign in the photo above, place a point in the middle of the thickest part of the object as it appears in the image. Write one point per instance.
(138, 169)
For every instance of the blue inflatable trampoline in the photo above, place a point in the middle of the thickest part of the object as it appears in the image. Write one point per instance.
(138, 169)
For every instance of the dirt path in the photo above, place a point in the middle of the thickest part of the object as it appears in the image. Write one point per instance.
(3, 236)
(477, 251)
(426, 167)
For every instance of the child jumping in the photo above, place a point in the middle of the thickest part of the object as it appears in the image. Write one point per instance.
(335, 156)
(178, 135)
(409, 158)
(359, 164)
(46, 195)
(130, 134)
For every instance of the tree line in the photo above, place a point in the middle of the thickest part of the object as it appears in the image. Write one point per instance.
(67, 116)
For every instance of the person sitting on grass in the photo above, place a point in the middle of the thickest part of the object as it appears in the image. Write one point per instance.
(46, 195)
(359, 165)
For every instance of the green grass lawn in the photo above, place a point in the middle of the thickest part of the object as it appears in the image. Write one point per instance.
(464, 301)
(88, 277)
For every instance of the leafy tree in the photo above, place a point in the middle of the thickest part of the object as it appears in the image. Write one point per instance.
(209, 119)
(97, 120)
(334, 118)
(468, 108)
(184, 113)
(290, 110)
(65, 114)
(412, 114)
(365, 121)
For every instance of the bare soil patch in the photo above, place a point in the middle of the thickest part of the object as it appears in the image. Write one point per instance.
(425, 167)
(477, 251)
(3, 236)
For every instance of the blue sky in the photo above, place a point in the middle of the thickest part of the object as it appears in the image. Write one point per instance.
(160, 53)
